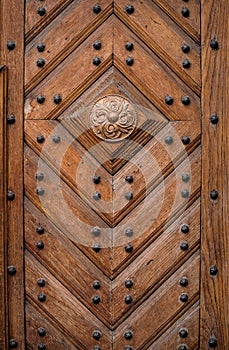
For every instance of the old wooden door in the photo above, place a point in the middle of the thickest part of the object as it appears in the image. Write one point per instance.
(107, 246)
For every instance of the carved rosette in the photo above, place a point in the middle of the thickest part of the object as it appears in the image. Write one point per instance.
(113, 118)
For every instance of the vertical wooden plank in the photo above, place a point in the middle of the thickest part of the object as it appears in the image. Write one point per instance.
(12, 30)
(214, 286)
(3, 231)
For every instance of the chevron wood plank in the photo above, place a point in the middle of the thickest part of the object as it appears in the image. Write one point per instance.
(74, 319)
(190, 22)
(156, 81)
(72, 76)
(153, 265)
(166, 299)
(40, 330)
(164, 37)
(64, 31)
(183, 332)
(77, 273)
(148, 219)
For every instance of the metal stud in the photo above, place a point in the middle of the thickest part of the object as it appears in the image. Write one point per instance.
(97, 196)
(39, 176)
(11, 270)
(129, 9)
(212, 342)
(184, 246)
(96, 299)
(185, 100)
(168, 140)
(129, 179)
(97, 45)
(185, 12)
(213, 270)
(185, 139)
(129, 283)
(96, 231)
(41, 99)
(184, 282)
(128, 195)
(184, 228)
(41, 11)
(128, 335)
(40, 138)
(10, 119)
(10, 195)
(97, 9)
(13, 344)
(96, 347)
(128, 347)
(96, 247)
(40, 191)
(183, 332)
(214, 118)
(185, 178)
(41, 297)
(40, 62)
(41, 346)
(214, 44)
(186, 0)
(182, 347)
(57, 99)
(40, 230)
(41, 47)
(41, 332)
(11, 45)
(169, 100)
(184, 297)
(129, 46)
(129, 232)
(96, 179)
(96, 61)
(40, 245)
(128, 299)
(96, 285)
(129, 248)
(41, 282)
(129, 61)
(214, 194)
(96, 334)
(56, 139)
(186, 64)
(185, 193)
(185, 48)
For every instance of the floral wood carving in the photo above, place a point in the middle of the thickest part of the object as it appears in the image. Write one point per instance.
(113, 118)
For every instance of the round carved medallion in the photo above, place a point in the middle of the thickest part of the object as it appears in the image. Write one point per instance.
(113, 118)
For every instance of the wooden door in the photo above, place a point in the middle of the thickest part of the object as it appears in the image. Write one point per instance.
(116, 123)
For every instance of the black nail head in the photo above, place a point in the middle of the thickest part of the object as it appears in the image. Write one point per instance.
(41, 346)
(184, 282)
(214, 194)
(41, 47)
(168, 100)
(96, 347)
(184, 297)
(96, 61)
(213, 270)
(185, 100)
(10, 119)
(41, 332)
(184, 228)
(186, 0)
(41, 11)
(128, 299)
(56, 139)
(96, 335)
(182, 347)
(97, 45)
(129, 179)
(96, 179)
(11, 45)
(40, 139)
(13, 344)
(40, 191)
(214, 44)
(96, 299)
(40, 176)
(97, 196)
(185, 48)
(184, 246)
(129, 232)
(96, 247)
(41, 297)
(41, 282)
(41, 99)
(185, 12)
(185, 193)
(183, 333)
(10, 195)
(212, 342)
(96, 284)
(128, 195)
(168, 140)
(57, 99)
(185, 140)
(186, 64)
(128, 335)
(129, 61)
(40, 62)
(40, 230)
(130, 9)
(214, 118)
(185, 178)
(129, 46)
(128, 348)
(128, 248)
(96, 231)
(11, 270)
(97, 9)
(129, 283)
(40, 245)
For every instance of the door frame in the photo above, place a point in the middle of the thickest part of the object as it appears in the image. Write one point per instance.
(214, 316)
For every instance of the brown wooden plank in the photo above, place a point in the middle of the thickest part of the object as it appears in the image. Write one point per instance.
(156, 80)
(215, 214)
(71, 77)
(166, 298)
(12, 29)
(68, 37)
(165, 38)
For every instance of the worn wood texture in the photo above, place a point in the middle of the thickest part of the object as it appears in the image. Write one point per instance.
(215, 214)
